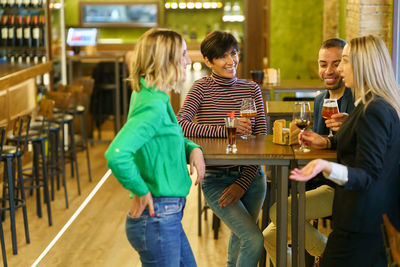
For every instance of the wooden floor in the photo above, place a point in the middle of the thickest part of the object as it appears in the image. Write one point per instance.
(97, 236)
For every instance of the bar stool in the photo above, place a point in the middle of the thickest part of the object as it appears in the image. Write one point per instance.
(55, 158)
(12, 185)
(3, 245)
(62, 104)
(81, 90)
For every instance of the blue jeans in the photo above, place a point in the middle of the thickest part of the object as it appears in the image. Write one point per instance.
(160, 240)
(246, 240)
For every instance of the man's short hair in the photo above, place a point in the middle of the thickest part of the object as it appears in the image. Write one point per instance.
(333, 42)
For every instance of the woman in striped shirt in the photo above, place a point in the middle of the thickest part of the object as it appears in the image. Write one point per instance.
(234, 193)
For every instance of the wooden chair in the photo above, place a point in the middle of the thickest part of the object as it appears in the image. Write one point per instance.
(391, 237)
(275, 110)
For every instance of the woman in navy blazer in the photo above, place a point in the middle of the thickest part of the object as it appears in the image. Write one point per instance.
(368, 156)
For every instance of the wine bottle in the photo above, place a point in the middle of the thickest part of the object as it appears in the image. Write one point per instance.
(42, 25)
(11, 3)
(19, 3)
(11, 31)
(4, 31)
(36, 32)
(27, 3)
(19, 32)
(28, 32)
(3, 3)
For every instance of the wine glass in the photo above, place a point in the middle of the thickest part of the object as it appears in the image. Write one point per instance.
(329, 108)
(301, 117)
(248, 110)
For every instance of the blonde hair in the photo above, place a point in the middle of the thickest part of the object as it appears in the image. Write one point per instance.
(372, 70)
(158, 59)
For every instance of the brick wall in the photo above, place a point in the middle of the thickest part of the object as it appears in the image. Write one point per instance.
(368, 17)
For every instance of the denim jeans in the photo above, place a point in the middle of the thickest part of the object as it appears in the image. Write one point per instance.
(246, 240)
(160, 240)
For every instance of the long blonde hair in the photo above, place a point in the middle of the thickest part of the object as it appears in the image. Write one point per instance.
(158, 59)
(372, 70)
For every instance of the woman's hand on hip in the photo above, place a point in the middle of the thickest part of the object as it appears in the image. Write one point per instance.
(197, 161)
(231, 195)
(139, 203)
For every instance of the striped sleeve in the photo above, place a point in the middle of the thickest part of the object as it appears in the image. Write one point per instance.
(188, 112)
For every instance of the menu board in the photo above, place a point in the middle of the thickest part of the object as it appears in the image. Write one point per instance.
(119, 14)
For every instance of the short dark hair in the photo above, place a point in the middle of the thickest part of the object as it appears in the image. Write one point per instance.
(333, 42)
(217, 43)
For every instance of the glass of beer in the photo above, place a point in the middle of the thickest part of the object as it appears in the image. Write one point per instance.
(329, 108)
(302, 118)
(248, 110)
(231, 125)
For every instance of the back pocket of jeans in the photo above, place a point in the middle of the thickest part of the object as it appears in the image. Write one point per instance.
(135, 231)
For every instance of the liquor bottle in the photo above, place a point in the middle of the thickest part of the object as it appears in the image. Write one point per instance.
(3, 3)
(42, 26)
(11, 3)
(11, 31)
(28, 32)
(21, 58)
(19, 3)
(27, 3)
(35, 3)
(36, 32)
(11, 57)
(19, 32)
(4, 31)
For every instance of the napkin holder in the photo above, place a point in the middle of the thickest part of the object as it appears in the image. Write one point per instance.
(283, 135)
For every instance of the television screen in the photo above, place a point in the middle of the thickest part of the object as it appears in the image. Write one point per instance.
(81, 36)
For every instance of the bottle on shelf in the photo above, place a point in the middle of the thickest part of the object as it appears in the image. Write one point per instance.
(236, 8)
(3, 3)
(11, 3)
(19, 3)
(27, 32)
(27, 3)
(42, 25)
(36, 32)
(4, 31)
(227, 9)
(11, 31)
(19, 32)
(21, 58)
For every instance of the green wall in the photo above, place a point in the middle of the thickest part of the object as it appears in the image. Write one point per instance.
(296, 34)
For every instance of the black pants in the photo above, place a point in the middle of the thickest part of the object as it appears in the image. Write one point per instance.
(347, 249)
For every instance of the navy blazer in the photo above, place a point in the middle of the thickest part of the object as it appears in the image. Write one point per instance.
(368, 143)
(347, 105)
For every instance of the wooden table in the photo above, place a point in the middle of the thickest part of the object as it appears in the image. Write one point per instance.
(292, 86)
(261, 151)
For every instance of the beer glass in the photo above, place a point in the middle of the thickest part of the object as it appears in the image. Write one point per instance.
(302, 118)
(248, 110)
(329, 108)
(231, 125)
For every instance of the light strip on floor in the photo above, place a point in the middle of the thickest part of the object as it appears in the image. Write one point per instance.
(73, 217)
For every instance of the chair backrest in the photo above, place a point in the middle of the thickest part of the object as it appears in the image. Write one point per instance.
(391, 238)
(275, 110)
(20, 130)
(62, 100)
(46, 108)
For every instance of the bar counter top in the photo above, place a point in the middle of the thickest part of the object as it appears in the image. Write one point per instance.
(14, 73)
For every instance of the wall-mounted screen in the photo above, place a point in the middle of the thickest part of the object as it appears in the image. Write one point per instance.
(114, 14)
(81, 36)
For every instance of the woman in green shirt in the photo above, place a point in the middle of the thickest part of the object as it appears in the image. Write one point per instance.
(149, 155)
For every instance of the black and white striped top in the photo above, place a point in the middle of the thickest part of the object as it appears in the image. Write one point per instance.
(209, 101)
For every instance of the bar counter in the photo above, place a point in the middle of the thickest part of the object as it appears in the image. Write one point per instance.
(18, 88)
